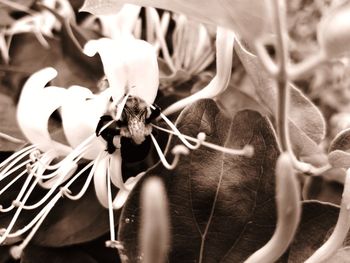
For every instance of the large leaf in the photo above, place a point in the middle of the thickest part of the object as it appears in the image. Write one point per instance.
(248, 18)
(35, 254)
(306, 123)
(222, 207)
(318, 221)
(4, 255)
(341, 141)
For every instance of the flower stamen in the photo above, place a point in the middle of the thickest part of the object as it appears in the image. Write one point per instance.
(179, 134)
(110, 206)
(177, 151)
(247, 150)
(67, 193)
(25, 150)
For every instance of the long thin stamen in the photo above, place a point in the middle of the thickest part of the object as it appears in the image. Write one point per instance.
(26, 150)
(21, 192)
(28, 226)
(110, 209)
(16, 168)
(179, 134)
(12, 182)
(11, 138)
(16, 251)
(56, 184)
(11, 163)
(247, 150)
(86, 184)
(19, 209)
(176, 151)
(160, 36)
(75, 155)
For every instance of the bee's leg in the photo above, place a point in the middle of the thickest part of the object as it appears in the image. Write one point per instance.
(108, 133)
(154, 114)
(102, 122)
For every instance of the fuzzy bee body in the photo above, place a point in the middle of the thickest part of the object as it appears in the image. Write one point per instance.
(135, 114)
(134, 128)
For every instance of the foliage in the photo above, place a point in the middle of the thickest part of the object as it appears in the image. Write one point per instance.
(221, 206)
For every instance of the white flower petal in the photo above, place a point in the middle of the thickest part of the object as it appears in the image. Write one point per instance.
(35, 106)
(120, 199)
(143, 74)
(100, 179)
(81, 113)
(130, 65)
(113, 25)
(116, 170)
(113, 64)
(122, 195)
(224, 48)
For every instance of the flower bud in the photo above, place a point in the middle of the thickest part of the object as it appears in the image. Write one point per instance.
(154, 235)
(334, 32)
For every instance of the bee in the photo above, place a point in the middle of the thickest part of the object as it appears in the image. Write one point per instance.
(134, 128)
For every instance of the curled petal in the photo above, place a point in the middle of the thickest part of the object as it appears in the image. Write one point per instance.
(130, 65)
(333, 31)
(81, 113)
(116, 170)
(100, 180)
(35, 106)
(123, 194)
(224, 51)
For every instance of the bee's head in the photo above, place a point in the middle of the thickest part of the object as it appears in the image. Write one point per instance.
(134, 115)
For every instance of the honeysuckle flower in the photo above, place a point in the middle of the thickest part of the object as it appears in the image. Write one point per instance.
(112, 25)
(96, 127)
(224, 52)
(248, 19)
(192, 47)
(40, 23)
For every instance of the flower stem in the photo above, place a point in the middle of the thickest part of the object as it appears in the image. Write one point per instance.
(288, 211)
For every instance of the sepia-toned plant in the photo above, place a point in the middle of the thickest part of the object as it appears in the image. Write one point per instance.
(172, 131)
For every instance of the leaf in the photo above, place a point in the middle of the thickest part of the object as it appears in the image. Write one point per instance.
(4, 255)
(233, 100)
(318, 221)
(221, 203)
(320, 189)
(247, 18)
(36, 254)
(341, 141)
(8, 125)
(339, 159)
(306, 123)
